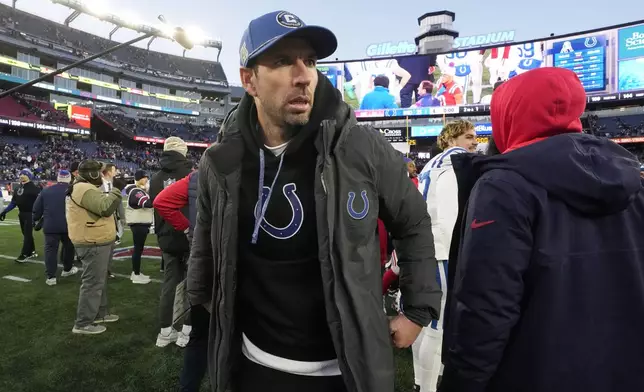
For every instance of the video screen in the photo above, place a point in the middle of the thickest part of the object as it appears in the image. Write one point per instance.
(81, 115)
(463, 82)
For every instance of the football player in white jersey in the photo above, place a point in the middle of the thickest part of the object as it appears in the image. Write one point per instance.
(467, 67)
(524, 57)
(437, 183)
(364, 72)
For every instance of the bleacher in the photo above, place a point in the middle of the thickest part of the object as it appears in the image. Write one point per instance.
(150, 127)
(16, 21)
(23, 107)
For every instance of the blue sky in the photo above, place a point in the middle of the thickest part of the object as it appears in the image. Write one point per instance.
(356, 23)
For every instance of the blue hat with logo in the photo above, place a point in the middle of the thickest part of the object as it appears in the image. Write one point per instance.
(26, 172)
(265, 31)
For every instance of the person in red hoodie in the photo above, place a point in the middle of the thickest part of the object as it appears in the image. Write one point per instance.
(169, 204)
(549, 288)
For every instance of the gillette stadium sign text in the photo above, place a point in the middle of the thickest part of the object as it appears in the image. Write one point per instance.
(391, 49)
(499, 37)
(402, 48)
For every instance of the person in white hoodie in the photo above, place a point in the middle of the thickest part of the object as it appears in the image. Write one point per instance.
(437, 183)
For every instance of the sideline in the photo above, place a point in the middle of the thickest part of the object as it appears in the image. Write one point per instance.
(32, 261)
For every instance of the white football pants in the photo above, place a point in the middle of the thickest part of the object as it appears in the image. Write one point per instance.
(427, 347)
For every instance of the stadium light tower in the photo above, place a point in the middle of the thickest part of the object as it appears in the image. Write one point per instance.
(179, 35)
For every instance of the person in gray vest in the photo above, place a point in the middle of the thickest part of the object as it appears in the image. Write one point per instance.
(49, 209)
(169, 204)
(139, 215)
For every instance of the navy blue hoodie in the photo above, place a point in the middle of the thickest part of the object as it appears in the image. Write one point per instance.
(549, 288)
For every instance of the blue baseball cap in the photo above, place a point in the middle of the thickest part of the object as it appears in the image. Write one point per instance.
(265, 31)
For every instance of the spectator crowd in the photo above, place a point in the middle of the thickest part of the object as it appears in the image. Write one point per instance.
(46, 158)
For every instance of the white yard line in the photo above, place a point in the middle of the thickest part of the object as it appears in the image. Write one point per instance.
(32, 261)
(16, 279)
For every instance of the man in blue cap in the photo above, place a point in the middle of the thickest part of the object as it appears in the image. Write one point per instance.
(285, 255)
(24, 197)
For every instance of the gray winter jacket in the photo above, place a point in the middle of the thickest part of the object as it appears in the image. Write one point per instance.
(353, 160)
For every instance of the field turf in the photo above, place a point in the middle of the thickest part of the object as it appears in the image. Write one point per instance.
(39, 353)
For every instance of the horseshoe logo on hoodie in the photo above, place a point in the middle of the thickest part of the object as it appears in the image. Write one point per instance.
(297, 214)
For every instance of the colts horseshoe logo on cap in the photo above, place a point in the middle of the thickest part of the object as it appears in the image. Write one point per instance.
(365, 209)
(289, 20)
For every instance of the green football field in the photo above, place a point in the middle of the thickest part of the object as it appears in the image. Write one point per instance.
(39, 353)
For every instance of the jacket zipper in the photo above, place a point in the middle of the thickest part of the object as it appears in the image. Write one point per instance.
(343, 356)
(322, 180)
(221, 211)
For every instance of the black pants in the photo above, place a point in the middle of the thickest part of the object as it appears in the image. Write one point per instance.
(407, 93)
(52, 243)
(139, 235)
(195, 355)
(174, 273)
(27, 228)
(253, 377)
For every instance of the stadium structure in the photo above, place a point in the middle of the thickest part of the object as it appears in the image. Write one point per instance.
(120, 106)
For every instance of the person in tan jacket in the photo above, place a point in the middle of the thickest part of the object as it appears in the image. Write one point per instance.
(90, 223)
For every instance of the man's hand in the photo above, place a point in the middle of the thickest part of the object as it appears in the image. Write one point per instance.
(403, 331)
(3, 215)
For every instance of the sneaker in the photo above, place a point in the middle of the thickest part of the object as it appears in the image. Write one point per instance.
(165, 339)
(21, 259)
(91, 329)
(72, 271)
(33, 254)
(110, 274)
(139, 279)
(108, 318)
(182, 339)
(51, 282)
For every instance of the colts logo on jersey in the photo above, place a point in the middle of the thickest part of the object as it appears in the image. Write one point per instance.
(297, 214)
(289, 20)
(20, 191)
(358, 215)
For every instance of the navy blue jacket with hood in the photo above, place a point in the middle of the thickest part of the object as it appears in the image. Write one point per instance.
(50, 207)
(549, 288)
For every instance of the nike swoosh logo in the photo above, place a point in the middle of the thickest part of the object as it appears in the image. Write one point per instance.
(477, 224)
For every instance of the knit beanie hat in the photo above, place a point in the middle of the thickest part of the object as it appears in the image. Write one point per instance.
(26, 172)
(64, 176)
(174, 143)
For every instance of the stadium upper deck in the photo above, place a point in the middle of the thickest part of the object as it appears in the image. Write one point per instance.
(19, 24)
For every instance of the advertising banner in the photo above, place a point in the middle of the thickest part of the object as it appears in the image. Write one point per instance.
(394, 134)
(81, 115)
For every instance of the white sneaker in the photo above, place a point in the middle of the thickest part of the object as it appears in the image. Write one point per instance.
(183, 339)
(71, 272)
(139, 279)
(51, 282)
(165, 339)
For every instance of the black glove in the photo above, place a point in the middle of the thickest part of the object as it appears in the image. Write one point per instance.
(119, 183)
(38, 224)
(2, 216)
